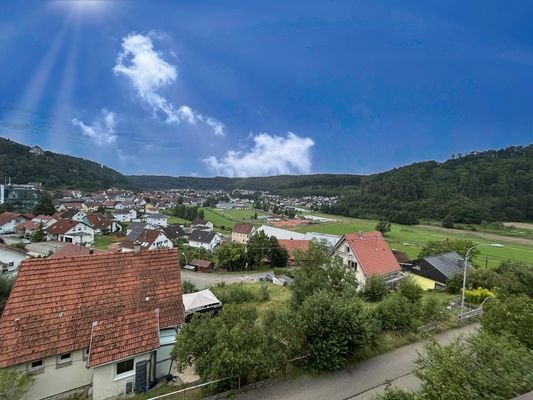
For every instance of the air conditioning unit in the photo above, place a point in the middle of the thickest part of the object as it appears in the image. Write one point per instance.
(129, 387)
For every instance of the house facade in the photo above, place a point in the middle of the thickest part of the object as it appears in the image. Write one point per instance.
(9, 222)
(124, 215)
(156, 220)
(241, 233)
(11, 258)
(113, 336)
(208, 240)
(368, 254)
(70, 232)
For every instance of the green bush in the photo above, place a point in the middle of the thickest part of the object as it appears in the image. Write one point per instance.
(236, 293)
(433, 310)
(395, 312)
(375, 289)
(477, 296)
(411, 290)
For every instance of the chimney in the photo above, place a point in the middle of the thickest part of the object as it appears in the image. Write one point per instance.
(91, 251)
(361, 234)
(136, 247)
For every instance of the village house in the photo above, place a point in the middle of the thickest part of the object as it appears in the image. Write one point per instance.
(156, 219)
(103, 324)
(241, 233)
(9, 221)
(69, 231)
(294, 247)
(102, 224)
(174, 232)
(208, 240)
(11, 258)
(124, 215)
(368, 254)
(202, 224)
(148, 239)
(74, 214)
(433, 272)
(75, 250)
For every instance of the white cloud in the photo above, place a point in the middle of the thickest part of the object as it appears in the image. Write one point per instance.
(102, 130)
(270, 155)
(148, 73)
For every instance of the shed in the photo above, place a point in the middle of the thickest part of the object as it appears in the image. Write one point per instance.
(202, 265)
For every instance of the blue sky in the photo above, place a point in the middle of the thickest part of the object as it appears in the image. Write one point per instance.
(242, 88)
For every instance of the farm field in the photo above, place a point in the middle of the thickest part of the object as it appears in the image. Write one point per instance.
(228, 218)
(410, 239)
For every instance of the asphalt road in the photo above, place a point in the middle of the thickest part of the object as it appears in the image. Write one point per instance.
(203, 280)
(362, 381)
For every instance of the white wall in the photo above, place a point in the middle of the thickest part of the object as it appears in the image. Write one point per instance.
(56, 379)
(9, 227)
(7, 256)
(348, 256)
(161, 242)
(106, 384)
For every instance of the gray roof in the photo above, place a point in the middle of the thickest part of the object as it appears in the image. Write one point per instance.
(136, 230)
(202, 236)
(156, 216)
(448, 264)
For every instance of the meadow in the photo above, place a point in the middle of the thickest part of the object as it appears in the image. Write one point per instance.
(411, 238)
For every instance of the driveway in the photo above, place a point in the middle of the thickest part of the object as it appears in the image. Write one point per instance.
(204, 280)
(35, 249)
(362, 381)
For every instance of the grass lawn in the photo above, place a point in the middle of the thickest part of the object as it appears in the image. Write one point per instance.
(230, 217)
(279, 296)
(102, 242)
(410, 239)
(176, 220)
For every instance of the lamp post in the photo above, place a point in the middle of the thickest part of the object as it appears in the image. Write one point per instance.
(466, 266)
(186, 260)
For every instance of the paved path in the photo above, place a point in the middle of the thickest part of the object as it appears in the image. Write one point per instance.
(362, 381)
(202, 280)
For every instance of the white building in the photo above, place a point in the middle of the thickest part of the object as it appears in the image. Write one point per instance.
(9, 221)
(10, 258)
(156, 220)
(69, 231)
(208, 240)
(109, 330)
(124, 215)
(279, 233)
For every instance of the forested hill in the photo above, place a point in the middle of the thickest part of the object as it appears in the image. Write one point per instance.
(55, 170)
(484, 186)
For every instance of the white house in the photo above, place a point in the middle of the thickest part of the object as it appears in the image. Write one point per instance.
(279, 233)
(124, 215)
(148, 239)
(69, 231)
(156, 219)
(368, 254)
(204, 239)
(10, 258)
(108, 331)
(75, 215)
(202, 224)
(9, 221)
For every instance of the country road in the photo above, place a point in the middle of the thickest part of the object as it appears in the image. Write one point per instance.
(480, 235)
(361, 382)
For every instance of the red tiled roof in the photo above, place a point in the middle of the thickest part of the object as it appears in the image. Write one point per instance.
(62, 226)
(373, 253)
(72, 250)
(55, 300)
(28, 225)
(98, 221)
(7, 216)
(146, 238)
(44, 217)
(245, 229)
(294, 245)
(123, 336)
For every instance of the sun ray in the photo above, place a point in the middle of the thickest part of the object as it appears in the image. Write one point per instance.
(34, 92)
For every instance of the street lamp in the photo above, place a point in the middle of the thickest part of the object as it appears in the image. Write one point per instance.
(466, 266)
(184, 255)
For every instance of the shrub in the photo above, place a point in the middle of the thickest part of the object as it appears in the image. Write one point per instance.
(236, 293)
(410, 290)
(375, 289)
(476, 296)
(433, 310)
(447, 222)
(264, 293)
(188, 287)
(395, 312)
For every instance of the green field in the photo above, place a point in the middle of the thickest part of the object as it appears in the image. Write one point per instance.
(228, 218)
(102, 242)
(410, 239)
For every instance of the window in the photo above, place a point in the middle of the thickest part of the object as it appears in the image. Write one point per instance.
(64, 358)
(347, 249)
(124, 367)
(36, 366)
(86, 353)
